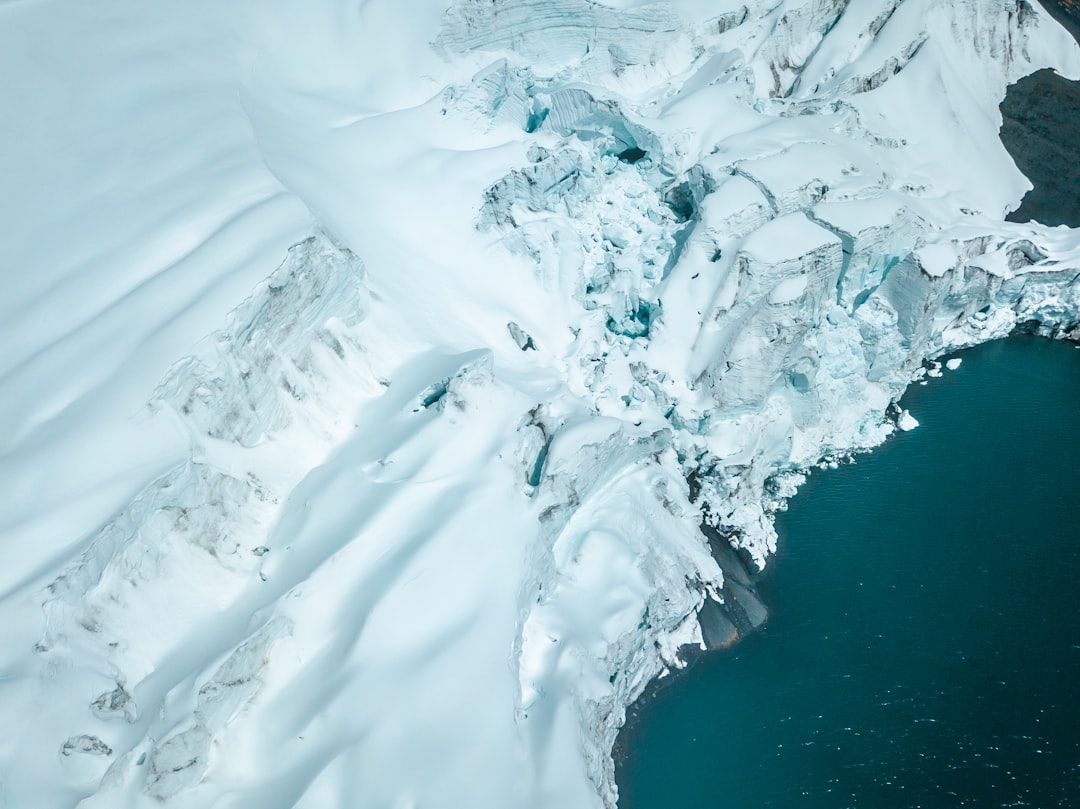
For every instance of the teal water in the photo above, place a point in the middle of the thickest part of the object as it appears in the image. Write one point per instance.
(922, 648)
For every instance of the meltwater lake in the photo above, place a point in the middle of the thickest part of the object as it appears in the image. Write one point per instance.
(922, 648)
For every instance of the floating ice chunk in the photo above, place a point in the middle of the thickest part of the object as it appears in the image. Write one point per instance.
(906, 421)
(953, 364)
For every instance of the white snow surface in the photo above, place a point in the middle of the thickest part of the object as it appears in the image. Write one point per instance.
(353, 369)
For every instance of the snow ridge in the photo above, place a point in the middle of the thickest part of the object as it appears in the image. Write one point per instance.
(440, 517)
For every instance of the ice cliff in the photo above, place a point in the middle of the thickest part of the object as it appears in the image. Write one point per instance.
(575, 292)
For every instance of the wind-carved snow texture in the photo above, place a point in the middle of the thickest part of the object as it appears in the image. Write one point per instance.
(407, 563)
(192, 542)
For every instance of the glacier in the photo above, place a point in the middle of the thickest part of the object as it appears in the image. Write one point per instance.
(391, 394)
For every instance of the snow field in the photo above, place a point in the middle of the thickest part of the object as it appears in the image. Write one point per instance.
(407, 520)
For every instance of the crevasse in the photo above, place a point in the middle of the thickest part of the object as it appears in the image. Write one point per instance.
(588, 294)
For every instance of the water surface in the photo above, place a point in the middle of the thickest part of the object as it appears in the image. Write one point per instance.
(922, 648)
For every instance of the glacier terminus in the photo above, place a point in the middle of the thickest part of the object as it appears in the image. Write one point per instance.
(390, 391)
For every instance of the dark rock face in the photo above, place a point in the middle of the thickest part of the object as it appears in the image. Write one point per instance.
(742, 612)
(717, 630)
(1041, 116)
(1066, 12)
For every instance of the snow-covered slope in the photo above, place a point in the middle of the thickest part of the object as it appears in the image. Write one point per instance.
(410, 519)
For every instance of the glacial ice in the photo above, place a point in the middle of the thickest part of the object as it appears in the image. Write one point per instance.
(567, 295)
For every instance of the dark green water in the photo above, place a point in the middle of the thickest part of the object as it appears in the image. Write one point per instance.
(922, 649)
